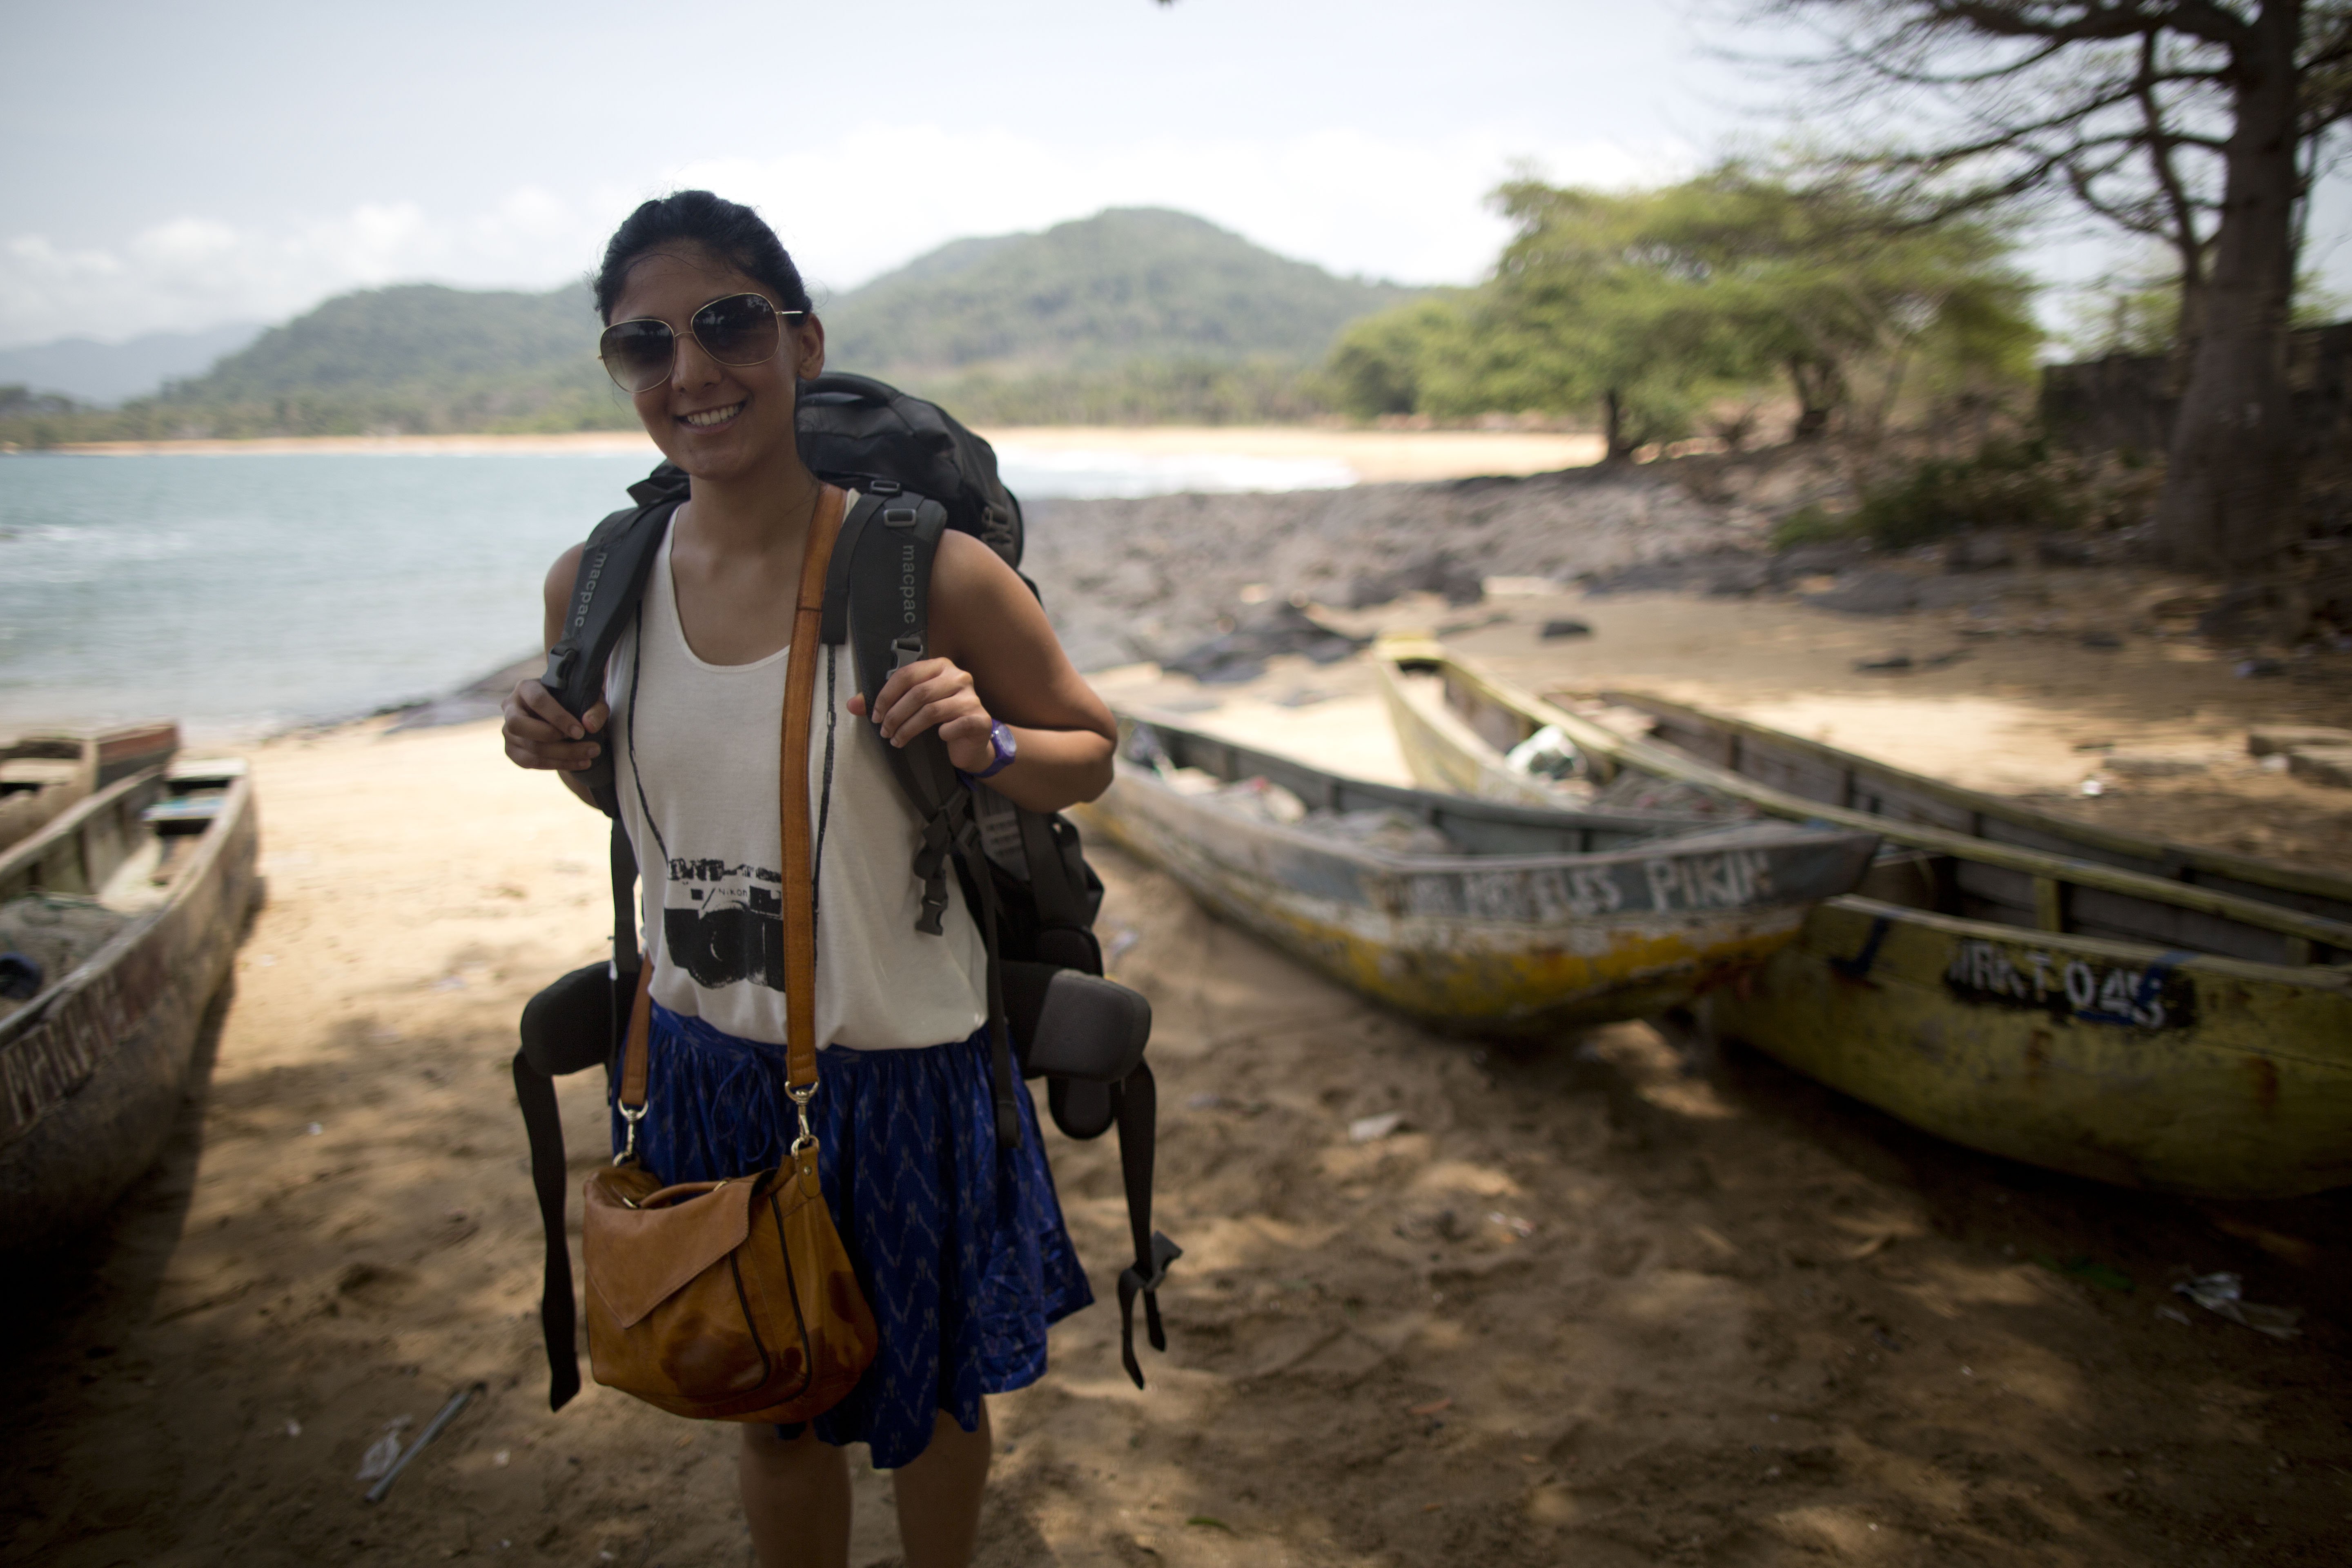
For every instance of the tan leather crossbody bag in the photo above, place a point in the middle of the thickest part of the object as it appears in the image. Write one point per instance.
(734, 1301)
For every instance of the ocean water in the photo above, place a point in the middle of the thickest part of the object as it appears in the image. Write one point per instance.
(244, 594)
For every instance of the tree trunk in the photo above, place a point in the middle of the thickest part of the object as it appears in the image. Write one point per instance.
(2228, 503)
(1820, 387)
(1616, 446)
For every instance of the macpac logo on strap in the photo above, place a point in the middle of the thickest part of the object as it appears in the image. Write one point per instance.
(588, 590)
(907, 582)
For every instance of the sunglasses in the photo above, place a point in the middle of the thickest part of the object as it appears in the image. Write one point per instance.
(740, 330)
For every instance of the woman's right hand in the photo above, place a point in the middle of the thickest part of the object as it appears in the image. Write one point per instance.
(539, 734)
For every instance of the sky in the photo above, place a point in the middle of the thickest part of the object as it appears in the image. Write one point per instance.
(171, 166)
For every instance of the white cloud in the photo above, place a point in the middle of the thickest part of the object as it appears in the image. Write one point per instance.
(1408, 209)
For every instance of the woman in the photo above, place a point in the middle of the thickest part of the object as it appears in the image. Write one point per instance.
(960, 1245)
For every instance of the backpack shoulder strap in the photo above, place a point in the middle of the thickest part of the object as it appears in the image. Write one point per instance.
(880, 605)
(614, 565)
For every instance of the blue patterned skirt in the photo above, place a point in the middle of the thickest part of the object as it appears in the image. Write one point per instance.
(960, 1246)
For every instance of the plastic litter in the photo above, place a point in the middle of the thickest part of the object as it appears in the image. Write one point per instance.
(1546, 753)
(447, 1414)
(2224, 1293)
(385, 1452)
(1372, 1129)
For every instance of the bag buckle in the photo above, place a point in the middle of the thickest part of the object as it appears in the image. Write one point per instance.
(800, 1098)
(631, 1115)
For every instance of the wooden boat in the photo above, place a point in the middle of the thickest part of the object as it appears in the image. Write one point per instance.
(42, 775)
(1516, 922)
(132, 904)
(2060, 1009)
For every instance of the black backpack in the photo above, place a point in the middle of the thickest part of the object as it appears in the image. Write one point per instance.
(1023, 874)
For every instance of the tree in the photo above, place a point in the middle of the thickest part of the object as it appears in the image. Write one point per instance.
(2200, 123)
(1834, 289)
(1647, 306)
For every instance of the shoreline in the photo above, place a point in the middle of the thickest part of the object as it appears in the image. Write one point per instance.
(1376, 457)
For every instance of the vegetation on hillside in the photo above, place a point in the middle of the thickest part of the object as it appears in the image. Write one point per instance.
(1135, 315)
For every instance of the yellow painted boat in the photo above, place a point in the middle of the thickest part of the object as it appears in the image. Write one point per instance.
(2173, 1033)
(1511, 920)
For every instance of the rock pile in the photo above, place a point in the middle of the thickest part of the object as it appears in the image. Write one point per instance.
(1136, 579)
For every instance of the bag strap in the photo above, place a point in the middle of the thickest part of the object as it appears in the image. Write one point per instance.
(799, 891)
(793, 803)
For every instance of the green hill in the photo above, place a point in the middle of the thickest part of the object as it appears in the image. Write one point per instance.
(1133, 283)
(1132, 315)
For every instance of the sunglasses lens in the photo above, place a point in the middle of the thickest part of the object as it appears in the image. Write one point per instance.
(638, 354)
(740, 330)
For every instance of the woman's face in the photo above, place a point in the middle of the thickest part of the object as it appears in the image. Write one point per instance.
(716, 421)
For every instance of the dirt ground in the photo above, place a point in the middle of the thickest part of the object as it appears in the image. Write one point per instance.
(1619, 1299)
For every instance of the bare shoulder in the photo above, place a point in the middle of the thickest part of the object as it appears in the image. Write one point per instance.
(965, 565)
(561, 576)
(557, 593)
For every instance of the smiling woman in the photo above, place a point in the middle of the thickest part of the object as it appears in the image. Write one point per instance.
(956, 1236)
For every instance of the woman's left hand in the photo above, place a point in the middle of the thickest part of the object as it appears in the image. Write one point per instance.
(934, 693)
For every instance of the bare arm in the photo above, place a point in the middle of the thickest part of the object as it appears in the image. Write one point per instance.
(537, 733)
(995, 657)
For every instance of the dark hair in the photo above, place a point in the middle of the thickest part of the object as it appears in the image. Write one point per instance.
(728, 230)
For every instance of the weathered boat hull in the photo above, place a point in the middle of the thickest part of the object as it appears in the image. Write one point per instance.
(2192, 1074)
(1500, 944)
(2080, 1016)
(93, 1071)
(41, 776)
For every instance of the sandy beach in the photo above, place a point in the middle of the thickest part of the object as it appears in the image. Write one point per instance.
(1610, 1301)
(1377, 455)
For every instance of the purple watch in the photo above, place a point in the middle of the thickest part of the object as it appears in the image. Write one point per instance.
(1000, 741)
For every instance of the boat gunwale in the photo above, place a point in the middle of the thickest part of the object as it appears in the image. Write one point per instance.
(237, 799)
(2121, 841)
(1708, 831)
(1535, 817)
(1392, 654)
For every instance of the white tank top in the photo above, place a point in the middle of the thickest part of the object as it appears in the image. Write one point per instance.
(694, 756)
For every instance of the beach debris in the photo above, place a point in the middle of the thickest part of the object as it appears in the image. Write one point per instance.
(2094, 787)
(1884, 662)
(2276, 740)
(2257, 668)
(2171, 1314)
(1372, 1129)
(315, 1130)
(1122, 939)
(20, 977)
(2224, 1293)
(500, 1459)
(1554, 630)
(448, 1413)
(1263, 799)
(1204, 1099)
(2153, 765)
(1434, 1407)
(385, 1452)
(293, 1428)
(266, 960)
(1546, 753)
(448, 982)
(1211, 1522)
(2329, 765)
(1303, 697)
(1386, 829)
